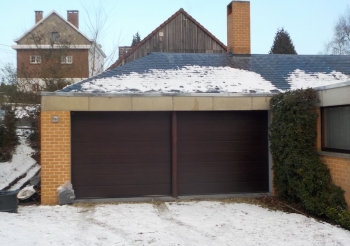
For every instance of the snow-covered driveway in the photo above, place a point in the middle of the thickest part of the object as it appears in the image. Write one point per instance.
(172, 223)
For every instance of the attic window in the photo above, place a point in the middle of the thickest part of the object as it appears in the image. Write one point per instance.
(54, 37)
(66, 59)
(35, 59)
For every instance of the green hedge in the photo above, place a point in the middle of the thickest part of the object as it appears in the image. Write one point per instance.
(8, 136)
(299, 174)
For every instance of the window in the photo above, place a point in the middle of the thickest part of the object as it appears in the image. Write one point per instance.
(336, 129)
(35, 59)
(54, 37)
(66, 59)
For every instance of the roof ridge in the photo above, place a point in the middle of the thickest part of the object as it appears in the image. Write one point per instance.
(43, 19)
(181, 10)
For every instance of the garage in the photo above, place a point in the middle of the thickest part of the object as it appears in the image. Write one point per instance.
(134, 154)
(222, 152)
(121, 154)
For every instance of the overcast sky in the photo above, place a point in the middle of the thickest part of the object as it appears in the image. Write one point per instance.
(309, 22)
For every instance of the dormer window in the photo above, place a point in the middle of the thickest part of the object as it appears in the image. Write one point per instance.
(66, 59)
(35, 59)
(54, 37)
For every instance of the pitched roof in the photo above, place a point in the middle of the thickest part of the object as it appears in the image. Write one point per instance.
(43, 20)
(183, 73)
(180, 11)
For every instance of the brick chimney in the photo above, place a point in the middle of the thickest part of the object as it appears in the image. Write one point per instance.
(38, 16)
(238, 27)
(73, 17)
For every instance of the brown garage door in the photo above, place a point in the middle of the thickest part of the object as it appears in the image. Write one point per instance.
(121, 154)
(222, 152)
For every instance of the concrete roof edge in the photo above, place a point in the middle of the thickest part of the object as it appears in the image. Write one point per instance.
(78, 94)
(338, 85)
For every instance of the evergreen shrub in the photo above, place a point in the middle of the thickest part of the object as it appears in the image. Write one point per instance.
(34, 137)
(8, 136)
(299, 174)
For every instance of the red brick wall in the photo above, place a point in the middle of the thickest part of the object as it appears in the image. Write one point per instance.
(51, 66)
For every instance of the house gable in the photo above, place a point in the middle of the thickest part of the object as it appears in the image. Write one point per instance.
(181, 33)
(41, 33)
(54, 47)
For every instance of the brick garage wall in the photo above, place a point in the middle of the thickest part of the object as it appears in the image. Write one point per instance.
(340, 171)
(55, 154)
(339, 166)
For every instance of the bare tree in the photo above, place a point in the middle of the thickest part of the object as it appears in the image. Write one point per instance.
(98, 26)
(340, 43)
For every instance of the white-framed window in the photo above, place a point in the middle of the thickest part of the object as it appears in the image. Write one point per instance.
(66, 59)
(336, 129)
(35, 59)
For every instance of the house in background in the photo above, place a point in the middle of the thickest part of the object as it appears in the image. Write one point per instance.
(181, 33)
(56, 48)
(187, 124)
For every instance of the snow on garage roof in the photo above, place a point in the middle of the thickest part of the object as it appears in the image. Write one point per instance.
(160, 73)
(188, 79)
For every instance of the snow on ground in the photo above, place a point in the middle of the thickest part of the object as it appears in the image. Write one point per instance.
(188, 79)
(21, 163)
(172, 223)
(24, 111)
(299, 79)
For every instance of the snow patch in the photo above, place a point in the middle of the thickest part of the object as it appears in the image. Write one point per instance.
(21, 163)
(300, 79)
(24, 111)
(172, 223)
(188, 79)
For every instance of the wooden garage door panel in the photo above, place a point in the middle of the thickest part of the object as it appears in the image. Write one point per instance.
(151, 126)
(125, 147)
(221, 177)
(123, 168)
(239, 156)
(237, 135)
(117, 154)
(120, 191)
(208, 167)
(115, 136)
(222, 188)
(207, 116)
(130, 179)
(91, 158)
(220, 146)
(213, 125)
(222, 152)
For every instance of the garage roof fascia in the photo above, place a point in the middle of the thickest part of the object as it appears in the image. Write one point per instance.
(58, 101)
(77, 94)
(334, 95)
